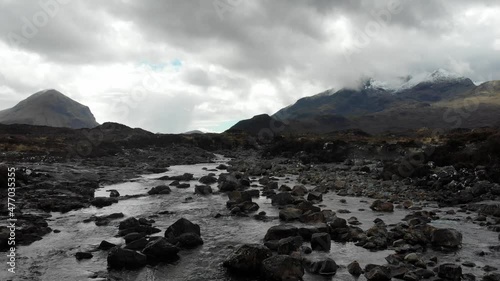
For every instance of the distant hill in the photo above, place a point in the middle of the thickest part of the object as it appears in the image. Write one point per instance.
(439, 100)
(257, 124)
(49, 108)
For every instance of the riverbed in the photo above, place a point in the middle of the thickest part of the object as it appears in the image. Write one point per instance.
(52, 258)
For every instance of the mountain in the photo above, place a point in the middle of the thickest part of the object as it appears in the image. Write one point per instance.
(49, 108)
(259, 124)
(435, 100)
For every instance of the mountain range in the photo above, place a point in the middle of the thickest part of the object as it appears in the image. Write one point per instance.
(49, 108)
(439, 100)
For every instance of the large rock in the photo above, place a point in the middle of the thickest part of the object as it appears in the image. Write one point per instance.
(321, 241)
(189, 240)
(282, 199)
(354, 269)
(381, 206)
(290, 214)
(124, 258)
(315, 196)
(208, 179)
(282, 268)
(491, 277)
(100, 202)
(324, 267)
(446, 237)
(288, 245)
(128, 223)
(278, 232)
(203, 189)
(161, 189)
(247, 259)
(180, 227)
(450, 271)
(299, 190)
(378, 273)
(160, 249)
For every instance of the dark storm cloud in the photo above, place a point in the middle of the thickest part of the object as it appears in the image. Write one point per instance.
(229, 47)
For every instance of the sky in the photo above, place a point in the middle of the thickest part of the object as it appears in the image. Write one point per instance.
(174, 66)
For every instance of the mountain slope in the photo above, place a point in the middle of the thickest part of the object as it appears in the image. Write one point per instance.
(438, 100)
(49, 108)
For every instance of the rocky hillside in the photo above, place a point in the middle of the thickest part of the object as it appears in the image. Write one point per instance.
(49, 108)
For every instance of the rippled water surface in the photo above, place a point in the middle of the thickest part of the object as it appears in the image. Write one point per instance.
(52, 258)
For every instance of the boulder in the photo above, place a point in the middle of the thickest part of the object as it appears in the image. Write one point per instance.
(138, 244)
(288, 245)
(282, 199)
(128, 223)
(123, 258)
(203, 189)
(282, 268)
(290, 214)
(354, 269)
(133, 236)
(378, 273)
(184, 185)
(83, 255)
(114, 193)
(450, 271)
(180, 227)
(321, 241)
(247, 259)
(160, 189)
(324, 267)
(381, 206)
(189, 240)
(100, 202)
(208, 180)
(105, 245)
(278, 232)
(160, 249)
(446, 237)
(299, 190)
(491, 277)
(315, 196)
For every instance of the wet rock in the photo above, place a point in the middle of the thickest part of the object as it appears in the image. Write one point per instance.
(489, 268)
(114, 193)
(83, 255)
(323, 267)
(189, 240)
(221, 167)
(161, 189)
(280, 231)
(203, 189)
(105, 245)
(315, 196)
(180, 227)
(299, 190)
(321, 241)
(285, 188)
(184, 177)
(446, 237)
(290, 214)
(160, 249)
(307, 232)
(282, 268)
(138, 244)
(491, 277)
(381, 206)
(450, 271)
(354, 269)
(290, 244)
(100, 202)
(129, 223)
(378, 273)
(228, 182)
(174, 183)
(184, 185)
(133, 236)
(282, 199)
(247, 259)
(208, 180)
(123, 258)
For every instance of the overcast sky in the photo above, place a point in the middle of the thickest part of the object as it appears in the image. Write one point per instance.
(173, 66)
